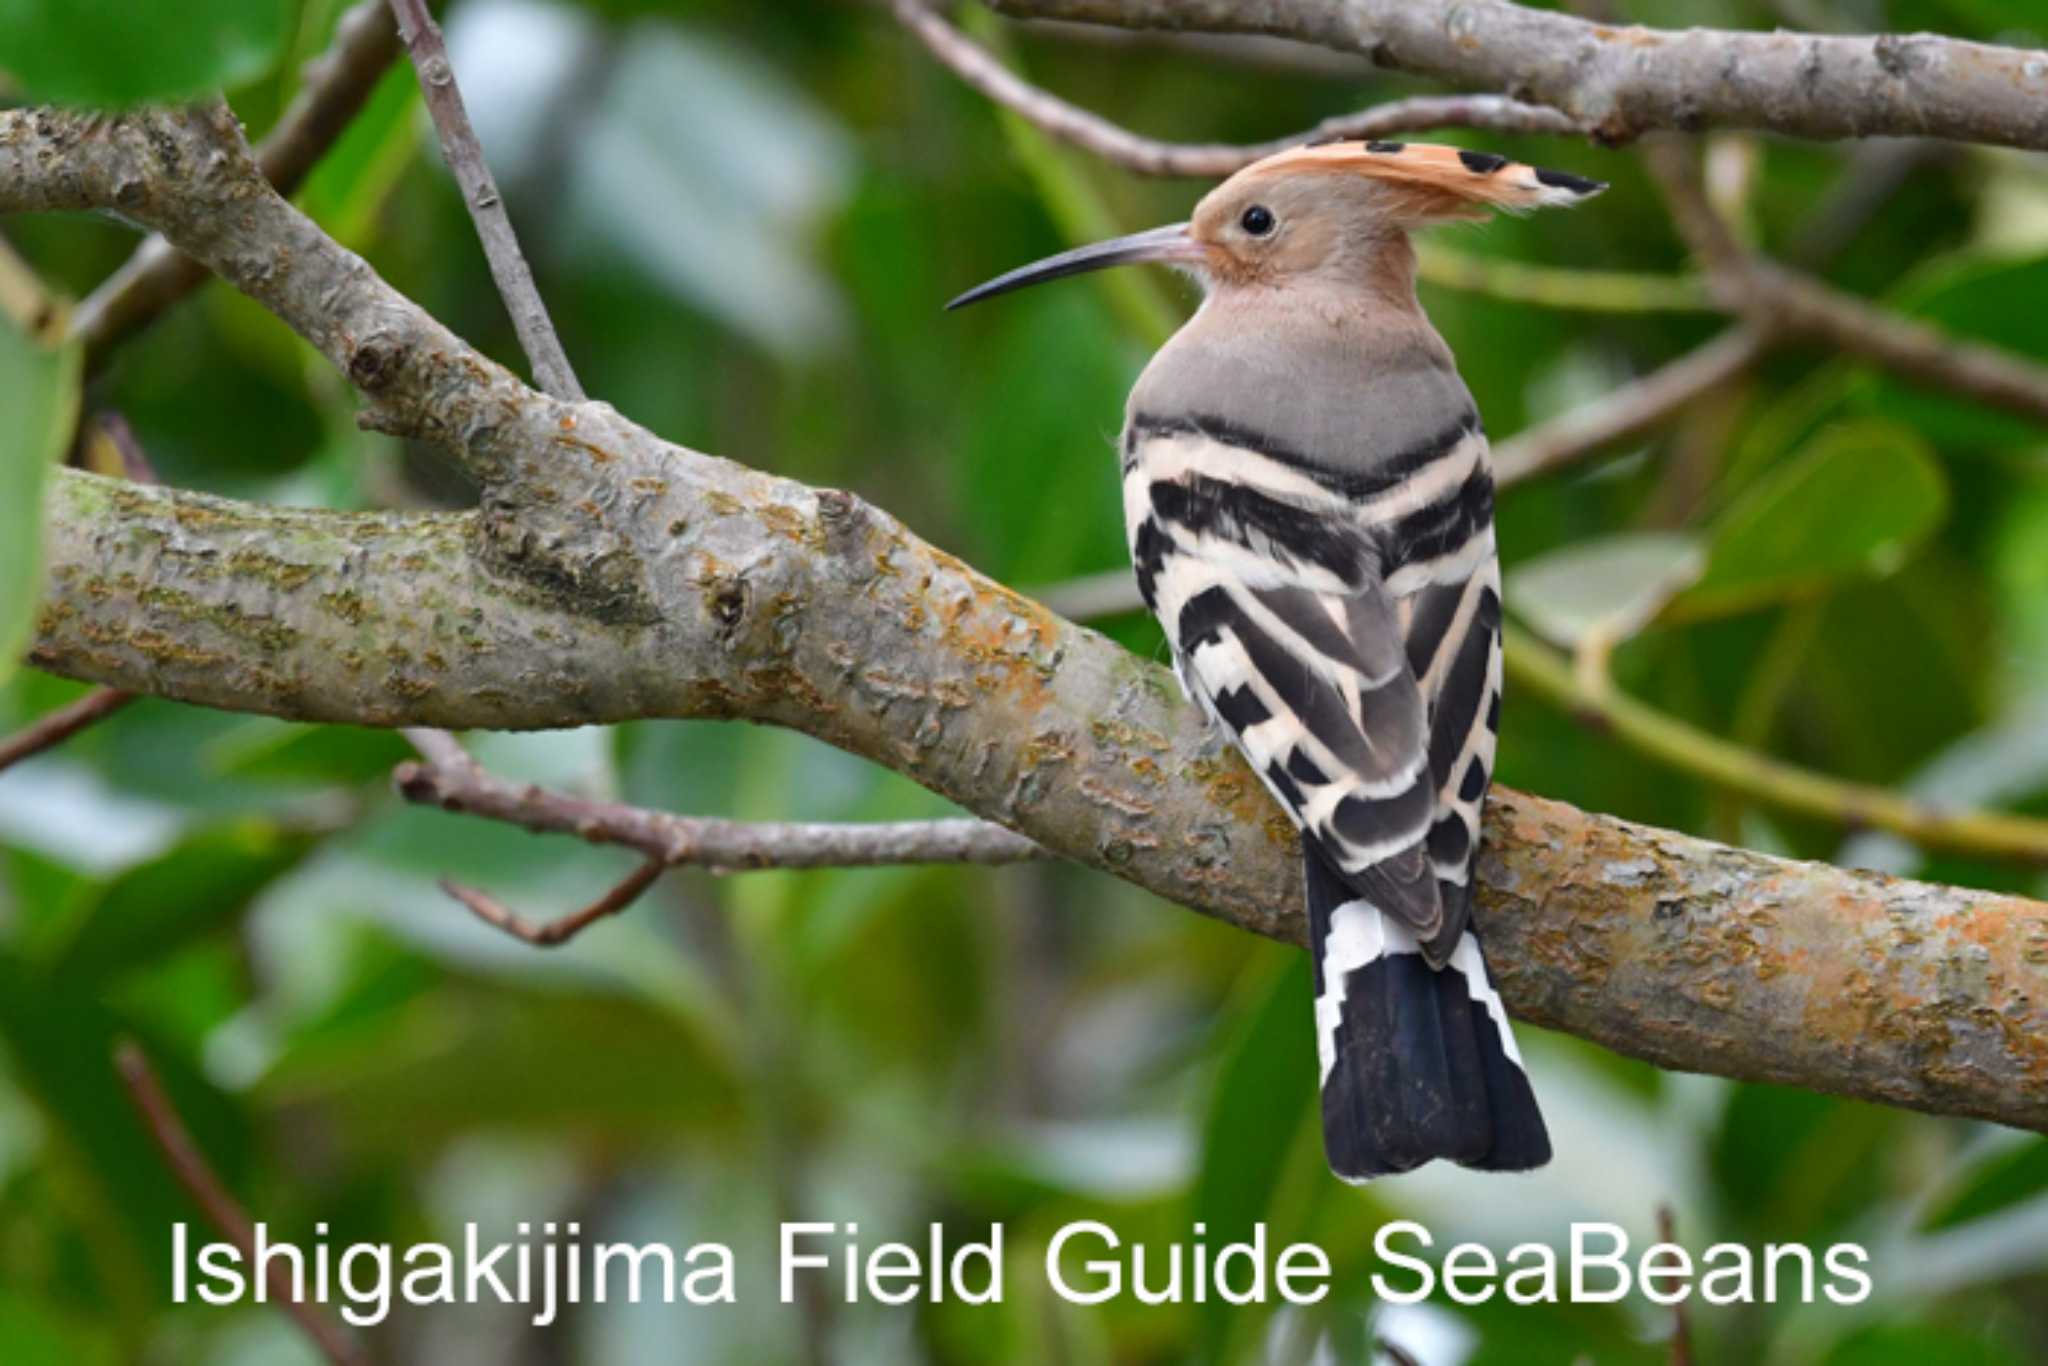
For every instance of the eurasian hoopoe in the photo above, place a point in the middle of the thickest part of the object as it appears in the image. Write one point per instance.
(1309, 501)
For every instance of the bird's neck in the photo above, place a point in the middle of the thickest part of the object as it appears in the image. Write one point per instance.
(1363, 298)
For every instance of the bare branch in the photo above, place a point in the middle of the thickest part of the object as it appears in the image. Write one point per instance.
(1631, 410)
(190, 1167)
(553, 933)
(453, 781)
(1622, 81)
(1916, 351)
(334, 89)
(1680, 1353)
(54, 729)
(125, 453)
(189, 174)
(465, 158)
(1149, 156)
(1788, 303)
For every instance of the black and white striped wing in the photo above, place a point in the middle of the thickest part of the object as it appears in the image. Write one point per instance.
(1282, 630)
(1453, 639)
(1436, 533)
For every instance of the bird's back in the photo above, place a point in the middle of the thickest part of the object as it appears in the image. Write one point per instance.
(1331, 468)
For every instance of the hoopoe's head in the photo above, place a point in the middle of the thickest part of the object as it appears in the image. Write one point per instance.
(1321, 213)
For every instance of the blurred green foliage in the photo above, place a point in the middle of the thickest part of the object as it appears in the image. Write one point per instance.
(745, 218)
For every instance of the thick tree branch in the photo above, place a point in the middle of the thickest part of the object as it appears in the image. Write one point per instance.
(1207, 161)
(1656, 944)
(335, 88)
(695, 587)
(1622, 81)
(189, 174)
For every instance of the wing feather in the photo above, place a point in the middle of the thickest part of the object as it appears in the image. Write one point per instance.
(1283, 631)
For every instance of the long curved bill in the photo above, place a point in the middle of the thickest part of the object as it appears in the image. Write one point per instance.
(1170, 244)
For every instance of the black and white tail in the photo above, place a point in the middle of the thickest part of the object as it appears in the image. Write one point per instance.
(1417, 1062)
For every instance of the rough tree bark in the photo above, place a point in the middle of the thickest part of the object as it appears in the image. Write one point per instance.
(1620, 81)
(610, 575)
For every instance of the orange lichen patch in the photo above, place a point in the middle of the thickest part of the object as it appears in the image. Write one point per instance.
(945, 692)
(782, 520)
(1119, 799)
(780, 680)
(1110, 731)
(1046, 747)
(1634, 37)
(1998, 924)
(1231, 786)
(593, 450)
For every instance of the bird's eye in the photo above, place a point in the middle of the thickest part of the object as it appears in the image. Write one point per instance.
(1257, 220)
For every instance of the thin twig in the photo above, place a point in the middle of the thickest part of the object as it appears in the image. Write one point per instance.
(1875, 172)
(1908, 348)
(1631, 410)
(551, 933)
(449, 778)
(1091, 597)
(1681, 1321)
(1149, 156)
(1572, 287)
(60, 725)
(1393, 1352)
(129, 461)
(1791, 303)
(552, 373)
(334, 88)
(465, 158)
(1760, 777)
(190, 1167)
(456, 782)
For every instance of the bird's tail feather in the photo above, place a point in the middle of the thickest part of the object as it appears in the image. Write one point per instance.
(1417, 1062)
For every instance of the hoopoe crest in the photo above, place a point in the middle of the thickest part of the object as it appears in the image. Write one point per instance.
(1309, 502)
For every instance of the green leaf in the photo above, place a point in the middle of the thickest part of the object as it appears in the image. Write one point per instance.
(264, 748)
(2009, 1176)
(39, 387)
(39, 1335)
(347, 191)
(403, 1072)
(196, 888)
(1995, 303)
(1610, 588)
(60, 1043)
(118, 52)
(1854, 501)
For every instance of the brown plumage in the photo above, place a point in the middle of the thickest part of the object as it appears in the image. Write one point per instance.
(1309, 500)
